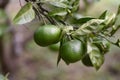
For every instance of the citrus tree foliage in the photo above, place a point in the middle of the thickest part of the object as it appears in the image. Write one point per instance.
(93, 33)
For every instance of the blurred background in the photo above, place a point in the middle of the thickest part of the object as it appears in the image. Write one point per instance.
(25, 60)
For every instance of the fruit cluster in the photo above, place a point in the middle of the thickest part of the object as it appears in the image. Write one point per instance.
(72, 48)
(78, 37)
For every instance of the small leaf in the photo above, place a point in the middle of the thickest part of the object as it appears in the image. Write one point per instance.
(102, 44)
(118, 43)
(77, 16)
(103, 15)
(118, 12)
(58, 59)
(59, 4)
(110, 20)
(26, 14)
(114, 29)
(59, 56)
(96, 57)
(75, 5)
(58, 12)
(86, 61)
(82, 20)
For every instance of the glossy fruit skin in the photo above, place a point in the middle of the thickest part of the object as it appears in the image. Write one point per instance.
(86, 61)
(55, 47)
(72, 51)
(47, 35)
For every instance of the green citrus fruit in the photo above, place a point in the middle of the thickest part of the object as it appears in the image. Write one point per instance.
(55, 47)
(47, 35)
(72, 51)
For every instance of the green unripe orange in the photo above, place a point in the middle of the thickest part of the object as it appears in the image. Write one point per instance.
(72, 51)
(47, 35)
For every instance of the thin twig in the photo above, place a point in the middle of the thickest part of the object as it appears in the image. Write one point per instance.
(20, 3)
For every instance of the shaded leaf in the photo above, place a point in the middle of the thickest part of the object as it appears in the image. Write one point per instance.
(103, 15)
(58, 59)
(75, 5)
(110, 20)
(118, 43)
(82, 20)
(86, 61)
(77, 16)
(102, 44)
(26, 14)
(114, 29)
(59, 56)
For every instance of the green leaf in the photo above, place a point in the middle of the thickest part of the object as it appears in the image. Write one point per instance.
(59, 4)
(59, 55)
(113, 20)
(75, 5)
(96, 57)
(102, 44)
(58, 59)
(118, 43)
(114, 29)
(110, 20)
(77, 16)
(103, 15)
(82, 20)
(93, 25)
(118, 12)
(26, 14)
(58, 12)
